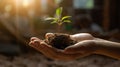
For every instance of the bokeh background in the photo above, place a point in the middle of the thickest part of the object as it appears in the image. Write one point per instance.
(22, 19)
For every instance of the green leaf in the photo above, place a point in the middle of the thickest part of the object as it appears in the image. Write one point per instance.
(50, 18)
(59, 12)
(54, 22)
(66, 17)
(68, 21)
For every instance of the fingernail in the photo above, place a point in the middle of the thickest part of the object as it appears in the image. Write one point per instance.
(32, 38)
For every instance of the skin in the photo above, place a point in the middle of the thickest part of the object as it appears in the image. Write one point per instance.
(85, 46)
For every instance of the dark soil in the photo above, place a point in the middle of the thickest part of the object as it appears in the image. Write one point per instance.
(38, 60)
(60, 40)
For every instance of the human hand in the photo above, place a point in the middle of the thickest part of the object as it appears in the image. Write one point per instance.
(52, 52)
(81, 49)
(85, 43)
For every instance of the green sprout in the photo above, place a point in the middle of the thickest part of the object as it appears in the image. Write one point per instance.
(58, 19)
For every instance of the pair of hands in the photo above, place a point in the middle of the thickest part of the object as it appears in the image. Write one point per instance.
(86, 46)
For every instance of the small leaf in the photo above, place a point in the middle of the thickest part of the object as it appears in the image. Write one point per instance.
(66, 17)
(54, 22)
(50, 18)
(68, 21)
(59, 12)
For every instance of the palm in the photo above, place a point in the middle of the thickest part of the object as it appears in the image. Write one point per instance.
(80, 49)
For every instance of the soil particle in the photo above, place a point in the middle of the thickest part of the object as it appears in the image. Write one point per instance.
(60, 40)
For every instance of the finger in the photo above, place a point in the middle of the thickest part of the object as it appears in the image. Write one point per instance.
(49, 34)
(33, 44)
(34, 38)
(40, 45)
(30, 43)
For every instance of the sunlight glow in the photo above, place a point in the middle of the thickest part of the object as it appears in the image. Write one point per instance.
(26, 3)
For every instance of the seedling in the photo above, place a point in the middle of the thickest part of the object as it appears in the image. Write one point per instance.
(59, 40)
(58, 19)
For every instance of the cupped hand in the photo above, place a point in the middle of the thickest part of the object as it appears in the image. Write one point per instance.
(86, 46)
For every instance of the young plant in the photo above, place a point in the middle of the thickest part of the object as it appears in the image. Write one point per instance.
(58, 19)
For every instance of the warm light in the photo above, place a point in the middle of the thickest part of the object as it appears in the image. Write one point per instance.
(8, 8)
(26, 3)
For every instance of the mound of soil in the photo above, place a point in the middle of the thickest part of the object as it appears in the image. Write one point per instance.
(60, 40)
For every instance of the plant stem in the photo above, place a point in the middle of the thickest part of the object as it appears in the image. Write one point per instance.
(59, 28)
